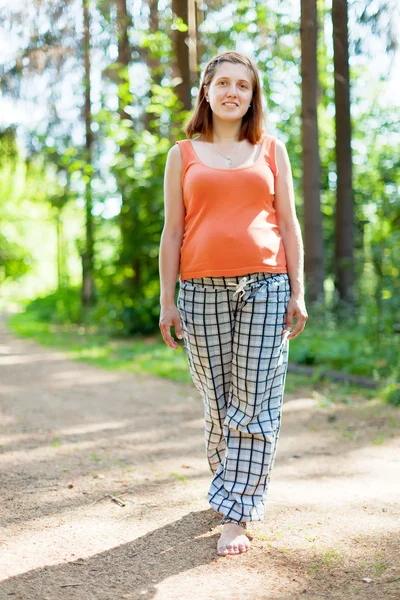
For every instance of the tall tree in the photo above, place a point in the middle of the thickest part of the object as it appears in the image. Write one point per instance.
(50, 51)
(124, 55)
(314, 246)
(344, 238)
(127, 216)
(200, 43)
(192, 41)
(13, 263)
(152, 60)
(88, 250)
(181, 62)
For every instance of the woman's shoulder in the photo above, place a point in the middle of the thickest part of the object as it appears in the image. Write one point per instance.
(174, 156)
(270, 151)
(182, 146)
(273, 137)
(274, 144)
(181, 152)
(186, 141)
(269, 137)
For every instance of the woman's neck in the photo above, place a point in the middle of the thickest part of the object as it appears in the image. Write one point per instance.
(225, 132)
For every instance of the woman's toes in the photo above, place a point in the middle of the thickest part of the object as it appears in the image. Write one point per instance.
(232, 540)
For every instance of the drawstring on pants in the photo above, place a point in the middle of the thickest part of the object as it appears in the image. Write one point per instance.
(241, 285)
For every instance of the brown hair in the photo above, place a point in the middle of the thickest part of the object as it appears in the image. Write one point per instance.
(252, 122)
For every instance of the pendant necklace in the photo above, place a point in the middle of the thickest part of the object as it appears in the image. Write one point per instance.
(228, 158)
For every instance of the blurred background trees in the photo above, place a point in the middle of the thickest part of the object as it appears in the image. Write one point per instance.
(94, 93)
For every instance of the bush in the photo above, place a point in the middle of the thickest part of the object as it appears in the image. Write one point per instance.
(61, 307)
(115, 310)
(391, 394)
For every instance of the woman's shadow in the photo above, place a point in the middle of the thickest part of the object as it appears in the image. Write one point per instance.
(131, 570)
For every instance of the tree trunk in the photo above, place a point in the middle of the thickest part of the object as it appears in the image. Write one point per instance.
(59, 251)
(200, 45)
(192, 44)
(313, 237)
(344, 260)
(124, 53)
(88, 254)
(62, 272)
(153, 65)
(181, 64)
(127, 218)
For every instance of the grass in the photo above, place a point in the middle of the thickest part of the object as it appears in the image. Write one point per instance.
(151, 356)
(136, 355)
(142, 356)
(348, 349)
(95, 458)
(380, 568)
(178, 477)
(56, 443)
(378, 440)
(330, 558)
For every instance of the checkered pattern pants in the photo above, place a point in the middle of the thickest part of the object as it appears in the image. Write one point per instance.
(237, 354)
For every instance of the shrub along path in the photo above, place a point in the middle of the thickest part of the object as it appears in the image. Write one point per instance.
(71, 433)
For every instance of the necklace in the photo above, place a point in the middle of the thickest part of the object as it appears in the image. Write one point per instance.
(228, 158)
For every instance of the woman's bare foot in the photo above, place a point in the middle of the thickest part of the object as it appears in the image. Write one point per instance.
(233, 540)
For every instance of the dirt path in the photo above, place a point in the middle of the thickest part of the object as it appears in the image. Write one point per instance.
(70, 433)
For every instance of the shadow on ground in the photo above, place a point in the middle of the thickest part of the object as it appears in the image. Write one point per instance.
(186, 548)
(67, 422)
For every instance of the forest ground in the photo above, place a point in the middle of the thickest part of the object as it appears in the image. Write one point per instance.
(70, 433)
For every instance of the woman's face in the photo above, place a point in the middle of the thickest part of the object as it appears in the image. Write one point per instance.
(230, 91)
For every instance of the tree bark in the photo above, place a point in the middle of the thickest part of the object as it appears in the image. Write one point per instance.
(181, 63)
(313, 237)
(153, 65)
(192, 44)
(88, 253)
(127, 219)
(200, 45)
(124, 52)
(344, 240)
(60, 279)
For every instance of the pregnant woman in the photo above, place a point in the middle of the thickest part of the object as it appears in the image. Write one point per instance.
(232, 234)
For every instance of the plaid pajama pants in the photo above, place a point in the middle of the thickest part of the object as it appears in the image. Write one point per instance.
(237, 354)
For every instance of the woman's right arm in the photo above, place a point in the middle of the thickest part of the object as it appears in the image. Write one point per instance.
(170, 246)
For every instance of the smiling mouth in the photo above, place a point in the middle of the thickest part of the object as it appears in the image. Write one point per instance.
(230, 104)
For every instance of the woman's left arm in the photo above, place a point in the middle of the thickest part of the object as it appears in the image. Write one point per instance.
(290, 231)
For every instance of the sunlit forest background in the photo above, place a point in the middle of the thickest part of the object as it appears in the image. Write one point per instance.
(95, 93)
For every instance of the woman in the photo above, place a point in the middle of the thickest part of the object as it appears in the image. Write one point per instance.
(232, 233)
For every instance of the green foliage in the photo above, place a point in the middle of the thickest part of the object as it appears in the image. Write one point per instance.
(377, 198)
(391, 393)
(350, 349)
(115, 311)
(129, 290)
(63, 306)
(92, 345)
(13, 260)
(134, 126)
(150, 355)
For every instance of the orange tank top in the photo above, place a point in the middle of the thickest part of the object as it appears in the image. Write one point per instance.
(230, 220)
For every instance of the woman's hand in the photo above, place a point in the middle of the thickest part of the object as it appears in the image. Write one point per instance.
(296, 309)
(170, 317)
